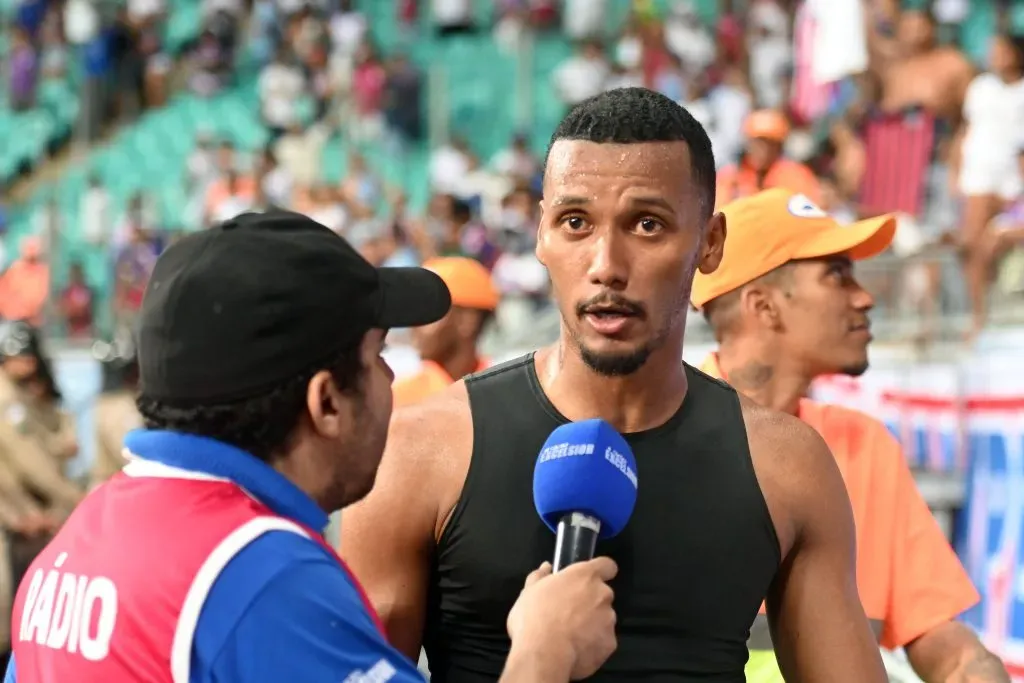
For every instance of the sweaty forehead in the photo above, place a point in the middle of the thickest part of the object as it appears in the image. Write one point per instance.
(663, 167)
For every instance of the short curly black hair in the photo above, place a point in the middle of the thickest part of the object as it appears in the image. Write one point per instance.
(263, 425)
(633, 115)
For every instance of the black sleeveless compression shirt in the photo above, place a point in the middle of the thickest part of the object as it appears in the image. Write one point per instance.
(695, 560)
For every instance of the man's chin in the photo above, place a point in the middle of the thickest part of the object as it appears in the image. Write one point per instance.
(611, 363)
(854, 370)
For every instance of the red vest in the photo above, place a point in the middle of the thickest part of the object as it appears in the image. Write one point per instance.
(115, 597)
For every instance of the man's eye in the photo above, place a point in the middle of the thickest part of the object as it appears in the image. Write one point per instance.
(649, 225)
(575, 222)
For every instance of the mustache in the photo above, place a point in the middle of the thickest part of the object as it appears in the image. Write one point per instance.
(610, 300)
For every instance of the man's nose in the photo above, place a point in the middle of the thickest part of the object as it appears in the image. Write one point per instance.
(608, 261)
(861, 298)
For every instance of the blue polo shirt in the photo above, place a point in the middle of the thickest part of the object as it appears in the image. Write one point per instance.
(283, 609)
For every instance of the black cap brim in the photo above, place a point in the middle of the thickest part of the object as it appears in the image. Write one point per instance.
(411, 297)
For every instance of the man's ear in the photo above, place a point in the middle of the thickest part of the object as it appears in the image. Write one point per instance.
(758, 302)
(324, 403)
(713, 244)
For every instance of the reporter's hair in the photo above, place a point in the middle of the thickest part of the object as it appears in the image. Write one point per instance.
(263, 425)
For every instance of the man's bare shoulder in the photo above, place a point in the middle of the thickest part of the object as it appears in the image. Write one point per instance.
(435, 417)
(787, 438)
(433, 436)
(792, 462)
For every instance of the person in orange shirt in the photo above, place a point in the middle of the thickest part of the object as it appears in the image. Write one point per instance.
(785, 308)
(25, 286)
(762, 165)
(449, 346)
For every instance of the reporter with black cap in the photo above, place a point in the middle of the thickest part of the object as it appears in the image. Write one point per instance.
(266, 404)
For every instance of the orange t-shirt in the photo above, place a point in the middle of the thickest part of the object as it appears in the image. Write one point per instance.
(735, 181)
(908, 576)
(431, 379)
(23, 290)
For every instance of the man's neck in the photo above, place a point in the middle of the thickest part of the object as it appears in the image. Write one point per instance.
(643, 400)
(771, 383)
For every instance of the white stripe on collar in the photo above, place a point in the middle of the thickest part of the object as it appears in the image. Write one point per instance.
(140, 467)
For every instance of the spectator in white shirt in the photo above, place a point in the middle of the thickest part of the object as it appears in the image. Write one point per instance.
(583, 75)
(730, 102)
(449, 165)
(516, 161)
(583, 19)
(275, 180)
(452, 17)
(687, 38)
(281, 84)
(989, 170)
(96, 212)
(348, 28)
(771, 53)
(629, 49)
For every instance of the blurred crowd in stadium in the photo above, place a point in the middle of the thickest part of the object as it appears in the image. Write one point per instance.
(414, 128)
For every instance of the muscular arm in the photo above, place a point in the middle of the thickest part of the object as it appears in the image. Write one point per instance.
(951, 653)
(817, 621)
(388, 538)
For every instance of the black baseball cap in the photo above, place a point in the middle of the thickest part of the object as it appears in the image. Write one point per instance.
(234, 310)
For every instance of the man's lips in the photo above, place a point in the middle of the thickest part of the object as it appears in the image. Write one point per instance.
(608, 321)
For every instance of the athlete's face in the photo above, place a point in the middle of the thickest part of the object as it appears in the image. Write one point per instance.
(621, 233)
(352, 425)
(823, 312)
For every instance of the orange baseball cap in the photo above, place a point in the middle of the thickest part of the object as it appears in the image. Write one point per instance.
(774, 227)
(769, 124)
(468, 281)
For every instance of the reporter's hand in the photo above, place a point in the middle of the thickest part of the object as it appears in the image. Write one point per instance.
(568, 612)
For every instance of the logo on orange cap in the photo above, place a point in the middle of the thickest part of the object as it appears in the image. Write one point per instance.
(802, 207)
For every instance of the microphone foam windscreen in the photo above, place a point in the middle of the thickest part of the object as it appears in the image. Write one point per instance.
(586, 467)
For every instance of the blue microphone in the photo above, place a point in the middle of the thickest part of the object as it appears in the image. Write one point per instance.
(584, 487)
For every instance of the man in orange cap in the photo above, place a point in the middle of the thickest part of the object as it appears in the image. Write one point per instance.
(762, 165)
(785, 309)
(449, 346)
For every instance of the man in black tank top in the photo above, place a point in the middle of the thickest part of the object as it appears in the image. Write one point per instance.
(736, 503)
